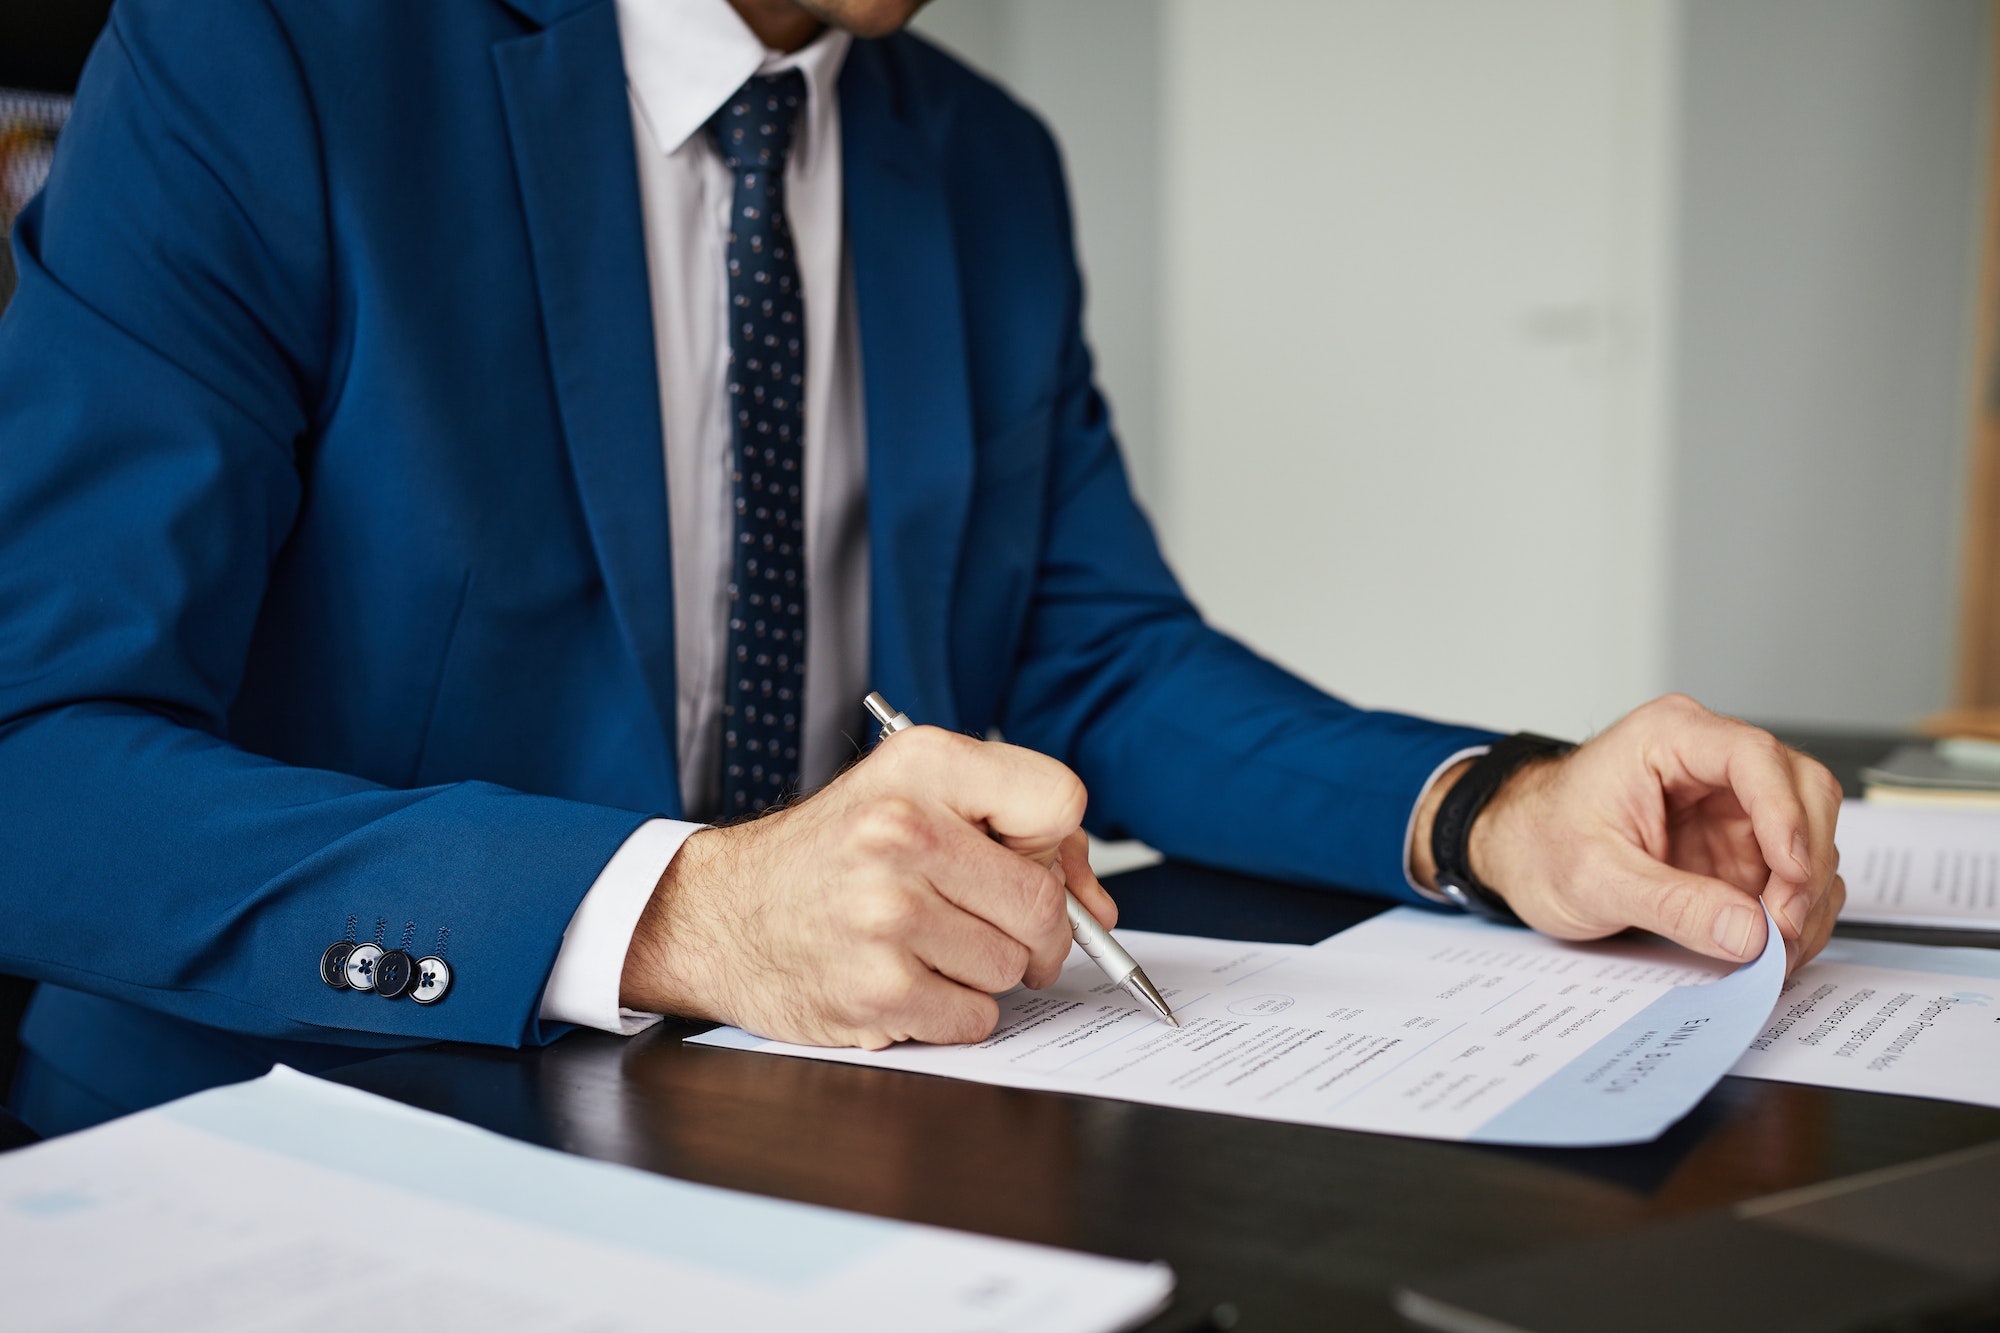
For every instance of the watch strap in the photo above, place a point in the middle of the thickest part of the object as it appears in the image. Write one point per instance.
(1451, 828)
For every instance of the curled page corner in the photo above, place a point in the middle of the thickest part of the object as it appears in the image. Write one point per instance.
(1641, 1079)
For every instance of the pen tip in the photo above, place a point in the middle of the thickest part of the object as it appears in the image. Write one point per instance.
(1144, 991)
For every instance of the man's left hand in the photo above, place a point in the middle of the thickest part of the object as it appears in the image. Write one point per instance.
(1677, 821)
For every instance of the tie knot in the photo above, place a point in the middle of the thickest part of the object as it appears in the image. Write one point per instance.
(753, 130)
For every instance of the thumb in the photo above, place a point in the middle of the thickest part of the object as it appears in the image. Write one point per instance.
(1080, 878)
(1028, 801)
(1699, 913)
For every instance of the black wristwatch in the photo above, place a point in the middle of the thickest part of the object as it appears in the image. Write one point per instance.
(1451, 830)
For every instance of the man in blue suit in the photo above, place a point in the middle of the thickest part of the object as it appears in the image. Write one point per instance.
(461, 463)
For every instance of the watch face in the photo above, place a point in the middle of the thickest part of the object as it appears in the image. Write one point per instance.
(360, 967)
(333, 964)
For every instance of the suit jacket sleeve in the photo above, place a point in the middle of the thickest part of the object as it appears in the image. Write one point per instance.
(160, 369)
(1186, 738)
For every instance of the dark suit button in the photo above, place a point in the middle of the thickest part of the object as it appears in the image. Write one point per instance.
(333, 964)
(392, 973)
(433, 980)
(360, 966)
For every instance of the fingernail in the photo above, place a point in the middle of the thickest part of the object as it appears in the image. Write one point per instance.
(1732, 929)
(1794, 912)
(1799, 856)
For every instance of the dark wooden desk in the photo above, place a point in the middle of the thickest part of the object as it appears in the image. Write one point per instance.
(1292, 1227)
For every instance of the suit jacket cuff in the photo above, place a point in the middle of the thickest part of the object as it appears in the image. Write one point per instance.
(583, 984)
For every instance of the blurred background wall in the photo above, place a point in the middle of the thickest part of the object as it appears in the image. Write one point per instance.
(1519, 362)
(1514, 362)
(1828, 221)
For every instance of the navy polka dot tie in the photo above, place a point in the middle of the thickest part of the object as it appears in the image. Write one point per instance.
(767, 377)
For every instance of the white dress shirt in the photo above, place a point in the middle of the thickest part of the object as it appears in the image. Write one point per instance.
(683, 60)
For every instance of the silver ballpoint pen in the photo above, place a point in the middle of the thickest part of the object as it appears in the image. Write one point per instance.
(1106, 952)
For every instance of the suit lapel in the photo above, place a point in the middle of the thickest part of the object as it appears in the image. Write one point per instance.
(899, 237)
(571, 130)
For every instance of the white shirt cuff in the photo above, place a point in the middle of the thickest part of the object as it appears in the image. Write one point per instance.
(583, 985)
(1410, 829)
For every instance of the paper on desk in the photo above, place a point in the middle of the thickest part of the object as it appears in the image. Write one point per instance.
(1411, 1023)
(291, 1203)
(1920, 866)
(1882, 1017)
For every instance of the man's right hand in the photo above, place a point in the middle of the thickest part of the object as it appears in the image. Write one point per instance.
(890, 906)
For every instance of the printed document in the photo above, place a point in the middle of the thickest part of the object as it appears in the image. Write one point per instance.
(1413, 1023)
(1882, 1017)
(289, 1203)
(1919, 866)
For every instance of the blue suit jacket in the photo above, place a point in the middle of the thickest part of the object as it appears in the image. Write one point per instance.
(334, 585)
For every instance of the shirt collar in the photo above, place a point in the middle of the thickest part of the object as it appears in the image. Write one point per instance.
(684, 58)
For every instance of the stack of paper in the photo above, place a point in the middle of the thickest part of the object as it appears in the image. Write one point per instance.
(291, 1203)
(1909, 866)
(1947, 773)
(1882, 1017)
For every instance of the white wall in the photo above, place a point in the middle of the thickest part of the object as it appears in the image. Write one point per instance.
(1415, 280)
(1832, 182)
(1517, 362)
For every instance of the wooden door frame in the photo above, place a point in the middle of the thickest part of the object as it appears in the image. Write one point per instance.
(1976, 686)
